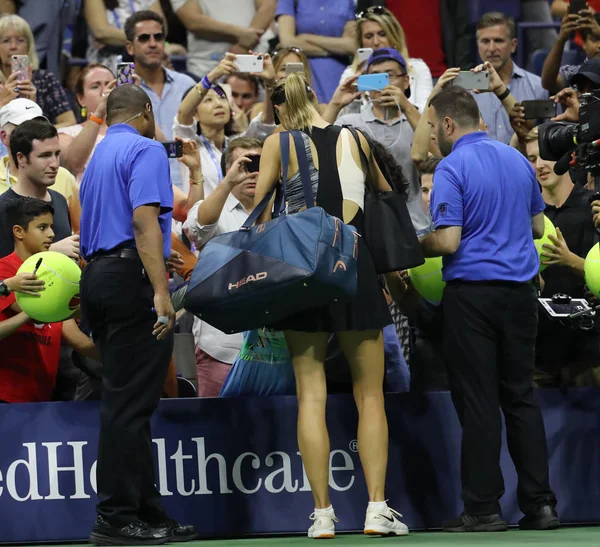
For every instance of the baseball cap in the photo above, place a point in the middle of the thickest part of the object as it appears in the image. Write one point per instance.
(19, 111)
(389, 54)
(590, 70)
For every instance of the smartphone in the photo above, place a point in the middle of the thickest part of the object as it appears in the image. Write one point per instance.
(473, 80)
(363, 54)
(293, 67)
(575, 6)
(20, 65)
(174, 148)
(249, 63)
(373, 82)
(538, 110)
(125, 73)
(254, 164)
(556, 309)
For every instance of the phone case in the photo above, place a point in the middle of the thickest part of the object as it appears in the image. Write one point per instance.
(575, 6)
(372, 82)
(473, 80)
(20, 64)
(249, 63)
(294, 67)
(538, 110)
(124, 73)
(364, 53)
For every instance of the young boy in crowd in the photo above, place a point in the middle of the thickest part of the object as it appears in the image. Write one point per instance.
(30, 351)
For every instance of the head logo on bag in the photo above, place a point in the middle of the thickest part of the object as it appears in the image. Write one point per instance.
(260, 228)
(257, 277)
(339, 264)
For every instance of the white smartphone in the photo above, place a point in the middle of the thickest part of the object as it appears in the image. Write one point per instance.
(473, 80)
(364, 53)
(20, 65)
(556, 309)
(293, 67)
(249, 63)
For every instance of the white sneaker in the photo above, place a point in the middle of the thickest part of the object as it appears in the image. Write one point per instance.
(384, 523)
(323, 526)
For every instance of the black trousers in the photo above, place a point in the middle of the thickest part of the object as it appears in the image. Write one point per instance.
(117, 301)
(489, 348)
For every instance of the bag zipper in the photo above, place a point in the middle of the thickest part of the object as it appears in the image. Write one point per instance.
(337, 229)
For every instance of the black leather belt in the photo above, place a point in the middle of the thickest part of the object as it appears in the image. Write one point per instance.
(130, 254)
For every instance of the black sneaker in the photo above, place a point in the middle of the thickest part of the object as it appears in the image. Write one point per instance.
(178, 532)
(135, 533)
(469, 523)
(545, 518)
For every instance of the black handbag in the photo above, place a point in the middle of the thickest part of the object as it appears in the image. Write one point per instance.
(388, 229)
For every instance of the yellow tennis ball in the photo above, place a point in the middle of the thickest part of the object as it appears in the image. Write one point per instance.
(60, 297)
(591, 270)
(549, 229)
(427, 279)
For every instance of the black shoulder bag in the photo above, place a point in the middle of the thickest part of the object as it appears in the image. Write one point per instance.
(389, 232)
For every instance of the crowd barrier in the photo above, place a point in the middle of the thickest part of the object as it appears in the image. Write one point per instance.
(232, 467)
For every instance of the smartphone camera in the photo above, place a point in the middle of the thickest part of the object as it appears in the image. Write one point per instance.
(174, 149)
(254, 164)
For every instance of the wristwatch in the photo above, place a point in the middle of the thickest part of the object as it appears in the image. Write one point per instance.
(4, 290)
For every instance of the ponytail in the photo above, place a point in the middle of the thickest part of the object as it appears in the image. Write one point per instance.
(300, 102)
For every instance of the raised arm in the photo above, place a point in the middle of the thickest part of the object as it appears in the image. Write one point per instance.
(191, 159)
(551, 77)
(187, 108)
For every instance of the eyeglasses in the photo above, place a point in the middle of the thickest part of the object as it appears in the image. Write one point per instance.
(145, 38)
(373, 10)
(289, 49)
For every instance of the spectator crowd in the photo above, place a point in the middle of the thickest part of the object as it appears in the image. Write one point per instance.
(186, 58)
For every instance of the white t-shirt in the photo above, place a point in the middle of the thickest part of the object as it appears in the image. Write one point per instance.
(204, 55)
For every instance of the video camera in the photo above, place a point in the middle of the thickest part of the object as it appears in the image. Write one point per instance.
(575, 145)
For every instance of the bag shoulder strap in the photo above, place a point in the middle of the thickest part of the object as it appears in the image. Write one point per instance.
(303, 169)
(280, 188)
(363, 156)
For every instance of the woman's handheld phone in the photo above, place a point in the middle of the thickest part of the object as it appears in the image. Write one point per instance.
(363, 54)
(473, 80)
(293, 67)
(373, 82)
(125, 73)
(249, 63)
(174, 148)
(20, 65)
(539, 110)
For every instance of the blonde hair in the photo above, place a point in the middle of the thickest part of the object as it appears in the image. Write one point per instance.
(300, 102)
(392, 29)
(22, 28)
(282, 53)
(533, 135)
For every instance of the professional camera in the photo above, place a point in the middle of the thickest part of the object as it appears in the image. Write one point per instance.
(574, 145)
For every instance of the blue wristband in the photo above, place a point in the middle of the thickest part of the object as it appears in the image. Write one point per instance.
(206, 84)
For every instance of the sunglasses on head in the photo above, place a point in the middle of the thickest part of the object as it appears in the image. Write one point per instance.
(289, 49)
(145, 38)
(373, 10)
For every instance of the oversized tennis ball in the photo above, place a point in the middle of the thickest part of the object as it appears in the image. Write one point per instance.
(427, 279)
(549, 229)
(591, 270)
(60, 297)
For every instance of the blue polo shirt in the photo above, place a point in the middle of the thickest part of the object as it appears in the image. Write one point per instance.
(125, 172)
(490, 190)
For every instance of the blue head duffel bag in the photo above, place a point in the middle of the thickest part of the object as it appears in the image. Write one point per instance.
(261, 274)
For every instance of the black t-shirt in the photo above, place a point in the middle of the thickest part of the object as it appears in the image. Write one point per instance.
(61, 226)
(557, 344)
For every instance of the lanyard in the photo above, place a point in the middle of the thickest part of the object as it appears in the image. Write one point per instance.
(217, 164)
(114, 12)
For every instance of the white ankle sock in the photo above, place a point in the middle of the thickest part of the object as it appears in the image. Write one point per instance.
(377, 506)
(324, 512)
